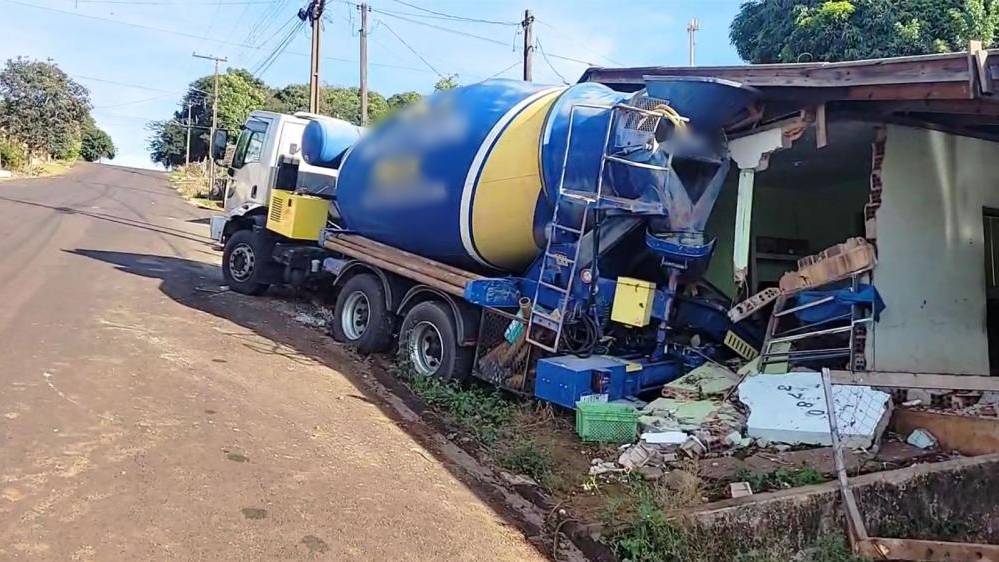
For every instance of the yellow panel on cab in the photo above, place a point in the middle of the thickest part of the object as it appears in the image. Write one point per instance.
(633, 301)
(297, 216)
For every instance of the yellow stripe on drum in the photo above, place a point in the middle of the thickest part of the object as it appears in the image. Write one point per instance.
(506, 193)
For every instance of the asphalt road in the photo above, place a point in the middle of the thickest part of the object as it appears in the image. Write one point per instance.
(145, 417)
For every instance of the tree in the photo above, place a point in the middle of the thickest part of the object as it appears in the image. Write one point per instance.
(96, 144)
(345, 103)
(771, 31)
(42, 107)
(239, 94)
(291, 98)
(449, 82)
(402, 99)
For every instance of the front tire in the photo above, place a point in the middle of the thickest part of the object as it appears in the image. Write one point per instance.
(428, 341)
(242, 263)
(361, 316)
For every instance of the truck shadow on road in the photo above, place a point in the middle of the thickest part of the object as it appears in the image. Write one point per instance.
(268, 330)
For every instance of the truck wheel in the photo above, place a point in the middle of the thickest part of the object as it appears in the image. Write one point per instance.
(242, 260)
(362, 319)
(429, 343)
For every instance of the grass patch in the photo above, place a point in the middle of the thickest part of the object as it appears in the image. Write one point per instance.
(780, 479)
(484, 414)
(526, 457)
(190, 181)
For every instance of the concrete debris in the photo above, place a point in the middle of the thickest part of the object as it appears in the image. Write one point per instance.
(733, 439)
(739, 489)
(710, 379)
(664, 437)
(604, 468)
(637, 456)
(694, 448)
(922, 438)
(652, 472)
(791, 409)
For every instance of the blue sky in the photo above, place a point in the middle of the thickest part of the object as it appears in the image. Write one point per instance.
(137, 73)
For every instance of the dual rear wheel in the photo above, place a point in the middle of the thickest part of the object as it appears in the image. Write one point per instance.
(428, 336)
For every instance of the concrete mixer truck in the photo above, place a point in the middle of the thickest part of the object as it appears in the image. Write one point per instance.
(549, 240)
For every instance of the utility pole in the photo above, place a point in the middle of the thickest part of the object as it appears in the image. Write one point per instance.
(364, 61)
(315, 15)
(527, 24)
(693, 27)
(215, 116)
(187, 152)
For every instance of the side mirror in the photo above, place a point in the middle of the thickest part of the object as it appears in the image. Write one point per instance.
(219, 142)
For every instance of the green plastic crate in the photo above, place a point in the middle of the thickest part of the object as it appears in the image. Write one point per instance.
(606, 423)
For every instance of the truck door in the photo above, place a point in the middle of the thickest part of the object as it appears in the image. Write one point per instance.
(252, 165)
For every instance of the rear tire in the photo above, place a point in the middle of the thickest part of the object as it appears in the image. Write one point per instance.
(361, 316)
(428, 342)
(243, 259)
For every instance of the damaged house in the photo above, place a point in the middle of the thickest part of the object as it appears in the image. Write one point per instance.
(899, 153)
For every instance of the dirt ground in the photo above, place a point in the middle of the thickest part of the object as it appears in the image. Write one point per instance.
(146, 416)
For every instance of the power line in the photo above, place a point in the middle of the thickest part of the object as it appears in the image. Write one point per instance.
(437, 27)
(194, 36)
(443, 15)
(140, 87)
(161, 96)
(495, 74)
(279, 50)
(579, 43)
(161, 3)
(544, 55)
(411, 49)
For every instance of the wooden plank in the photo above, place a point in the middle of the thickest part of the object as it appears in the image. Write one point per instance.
(950, 67)
(985, 107)
(879, 548)
(916, 380)
(909, 91)
(967, 435)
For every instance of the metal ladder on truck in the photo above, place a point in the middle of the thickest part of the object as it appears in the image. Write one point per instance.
(561, 254)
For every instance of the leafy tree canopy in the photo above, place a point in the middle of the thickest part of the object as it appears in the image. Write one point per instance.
(241, 93)
(772, 31)
(96, 144)
(41, 107)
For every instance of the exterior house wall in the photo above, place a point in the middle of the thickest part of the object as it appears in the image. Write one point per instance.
(930, 239)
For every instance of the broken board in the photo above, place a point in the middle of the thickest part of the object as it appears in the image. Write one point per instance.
(791, 409)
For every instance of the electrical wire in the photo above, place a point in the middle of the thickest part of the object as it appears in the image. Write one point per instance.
(278, 50)
(161, 3)
(411, 49)
(579, 44)
(455, 17)
(437, 27)
(161, 96)
(495, 74)
(195, 36)
(544, 55)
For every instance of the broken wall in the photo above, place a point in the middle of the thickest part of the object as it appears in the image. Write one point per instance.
(931, 252)
(821, 209)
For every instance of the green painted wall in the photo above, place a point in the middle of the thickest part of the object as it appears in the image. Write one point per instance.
(825, 211)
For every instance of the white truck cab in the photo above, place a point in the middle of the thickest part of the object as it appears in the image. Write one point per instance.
(269, 154)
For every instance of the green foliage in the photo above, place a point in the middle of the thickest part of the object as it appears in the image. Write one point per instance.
(291, 98)
(403, 99)
(482, 413)
(345, 103)
(42, 107)
(96, 144)
(771, 31)
(239, 94)
(652, 536)
(780, 479)
(12, 155)
(526, 457)
(446, 83)
(832, 548)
